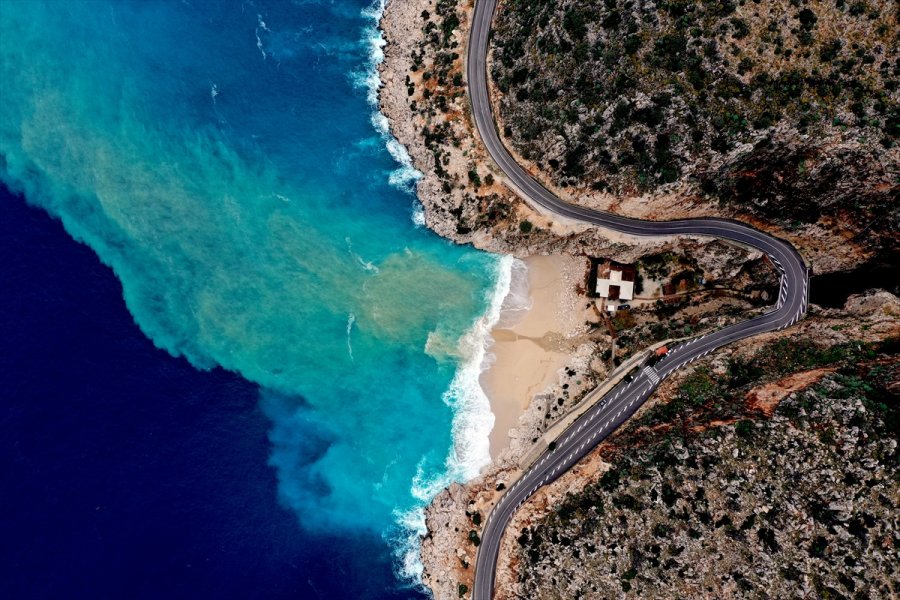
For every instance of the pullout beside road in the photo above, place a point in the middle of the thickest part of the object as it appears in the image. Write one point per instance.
(622, 401)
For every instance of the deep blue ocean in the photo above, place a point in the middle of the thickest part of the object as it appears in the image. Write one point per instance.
(126, 472)
(234, 364)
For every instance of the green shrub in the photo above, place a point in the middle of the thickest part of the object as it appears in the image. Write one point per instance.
(744, 428)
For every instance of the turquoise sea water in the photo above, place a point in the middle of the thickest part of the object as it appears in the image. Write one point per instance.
(225, 159)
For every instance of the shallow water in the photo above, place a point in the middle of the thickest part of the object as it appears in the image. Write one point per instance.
(224, 159)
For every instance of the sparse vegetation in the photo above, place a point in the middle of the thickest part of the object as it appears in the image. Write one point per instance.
(706, 396)
(473, 537)
(757, 104)
(799, 504)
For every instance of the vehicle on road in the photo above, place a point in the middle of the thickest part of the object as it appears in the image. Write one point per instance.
(622, 401)
(657, 356)
(632, 374)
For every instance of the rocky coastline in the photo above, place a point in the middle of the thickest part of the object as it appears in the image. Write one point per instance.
(461, 191)
(464, 199)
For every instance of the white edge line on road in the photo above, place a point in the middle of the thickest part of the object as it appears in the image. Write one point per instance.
(536, 194)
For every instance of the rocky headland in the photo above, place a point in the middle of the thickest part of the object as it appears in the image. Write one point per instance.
(465, 199)
(829, 189)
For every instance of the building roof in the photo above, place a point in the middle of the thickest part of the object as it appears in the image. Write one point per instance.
(615, 283)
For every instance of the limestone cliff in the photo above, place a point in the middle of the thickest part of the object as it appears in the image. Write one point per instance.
(729, 480)
(465, 199)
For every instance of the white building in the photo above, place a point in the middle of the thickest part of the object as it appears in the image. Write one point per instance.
(615, 283)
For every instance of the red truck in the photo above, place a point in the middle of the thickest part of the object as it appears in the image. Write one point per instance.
(657, 355)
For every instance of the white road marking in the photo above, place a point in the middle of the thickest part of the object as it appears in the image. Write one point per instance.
(530, 188)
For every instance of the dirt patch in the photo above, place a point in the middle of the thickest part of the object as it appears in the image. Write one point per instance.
(766, 398)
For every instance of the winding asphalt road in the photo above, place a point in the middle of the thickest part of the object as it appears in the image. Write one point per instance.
(624, 399)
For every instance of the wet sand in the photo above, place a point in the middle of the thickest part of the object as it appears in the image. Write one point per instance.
(531, 346)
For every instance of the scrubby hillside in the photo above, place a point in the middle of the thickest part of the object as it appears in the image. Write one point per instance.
(783, 109)
(770, 473)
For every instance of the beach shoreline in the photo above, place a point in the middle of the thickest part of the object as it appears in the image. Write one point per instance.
(532, 341)
(423, 555)
(515, 367)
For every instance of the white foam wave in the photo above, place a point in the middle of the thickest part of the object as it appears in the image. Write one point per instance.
(472, 416)
(473, 419)
(472, 424)
(518, 301)
(351, 319)
(365, 264)
(418, 216)
(259, 45)
(407, 562)
(406, 176)
(261, 26)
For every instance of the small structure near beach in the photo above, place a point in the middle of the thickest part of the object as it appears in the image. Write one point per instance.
(615, 281)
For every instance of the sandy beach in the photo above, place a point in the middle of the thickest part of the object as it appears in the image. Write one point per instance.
(532, 339)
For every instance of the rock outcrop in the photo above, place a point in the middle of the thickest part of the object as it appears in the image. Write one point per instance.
(785, 114)
(465, 199)
(828, 372)
(461, 191)
(834, 200)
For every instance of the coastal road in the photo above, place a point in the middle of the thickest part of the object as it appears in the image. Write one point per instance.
(622, 401)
